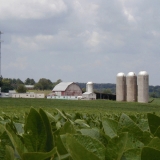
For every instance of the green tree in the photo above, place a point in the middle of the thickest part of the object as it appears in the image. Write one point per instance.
(44, 84)
(83, 90)
(153, 95)
(14, 83)
(6, 85)
(57, 82)
(21, 89)
(107, 91)
(38, 86)
(29, 81)
(1, 78)
(18, 82)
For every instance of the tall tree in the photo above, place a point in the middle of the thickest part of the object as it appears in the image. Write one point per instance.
(21, 89)
(29, 81)
(57, 82)
(6, 85)
(44, 84)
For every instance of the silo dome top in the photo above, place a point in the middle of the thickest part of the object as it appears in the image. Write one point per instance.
(120, 74)
(143, 73)
(131, 74)
(90, 83)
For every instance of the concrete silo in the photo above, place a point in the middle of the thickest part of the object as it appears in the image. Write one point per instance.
(143, 87)
(121, 87)
(89, 87)
(131, 80)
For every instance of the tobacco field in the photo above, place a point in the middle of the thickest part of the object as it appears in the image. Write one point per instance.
(79, 136)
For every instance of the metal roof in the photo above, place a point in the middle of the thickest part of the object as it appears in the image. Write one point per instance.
(29, 86)
(62, 86)
(86, 93)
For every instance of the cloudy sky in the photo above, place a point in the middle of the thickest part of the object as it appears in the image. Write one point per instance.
(80, 40)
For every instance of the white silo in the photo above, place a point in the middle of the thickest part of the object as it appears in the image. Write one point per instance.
(121, 87)
(143, 87)
(89, 87)
(131, 80)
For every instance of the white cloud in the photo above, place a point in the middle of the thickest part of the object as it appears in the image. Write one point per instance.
(19, 64)
(31, 9)
(80, 38)
(94, 39)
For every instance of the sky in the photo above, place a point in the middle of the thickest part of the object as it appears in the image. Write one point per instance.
(80, 40)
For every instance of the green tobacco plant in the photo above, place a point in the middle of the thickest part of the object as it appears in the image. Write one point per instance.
(37, 140)
(77, 136)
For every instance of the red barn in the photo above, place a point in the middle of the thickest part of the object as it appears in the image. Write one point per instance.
(67, 89)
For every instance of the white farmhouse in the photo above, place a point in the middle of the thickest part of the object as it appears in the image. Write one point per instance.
(28, 95)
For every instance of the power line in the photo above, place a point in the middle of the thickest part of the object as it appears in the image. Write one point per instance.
(0, 53)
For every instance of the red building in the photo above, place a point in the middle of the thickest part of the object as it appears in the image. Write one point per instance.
(67, 89)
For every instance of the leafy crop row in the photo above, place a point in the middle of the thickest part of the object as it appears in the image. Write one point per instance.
(63, 136)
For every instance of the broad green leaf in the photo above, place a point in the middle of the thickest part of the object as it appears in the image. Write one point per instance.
(116, 147)
(4, 140)
(39, 155)
(49, 141)
(65, 157)
(150, 154)
(19, 127)
(157, 133)
(9, 154)
(16, 141)
(147, 137)
(95, 133)
(67, 128)
(133, 143)
(61, 114)
(60, 146)
(58, 125)
(84, 147)
(82, 123)
(132, 154)
(155, 143)
(35, 135)
(110, 127)
(50, 117)
(126, 124)
(143, 124)
(154, 122)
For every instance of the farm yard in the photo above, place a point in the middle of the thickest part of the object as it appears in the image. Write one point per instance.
(47, 129)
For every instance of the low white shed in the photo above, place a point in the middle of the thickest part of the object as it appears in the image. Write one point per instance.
(89, 96)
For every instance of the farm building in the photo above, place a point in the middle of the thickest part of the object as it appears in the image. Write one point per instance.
(29, 87)
(66, 90)
(28, 95)
(89, 96)
(105, 96)
(7, 95)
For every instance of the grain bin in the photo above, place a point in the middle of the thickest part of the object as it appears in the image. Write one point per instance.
(143, 87)
(89, 87)
(131, 80)
(121, 87)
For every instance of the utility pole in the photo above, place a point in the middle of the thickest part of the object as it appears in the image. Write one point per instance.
(0, 54)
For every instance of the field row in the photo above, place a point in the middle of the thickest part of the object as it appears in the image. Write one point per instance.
(20, 106)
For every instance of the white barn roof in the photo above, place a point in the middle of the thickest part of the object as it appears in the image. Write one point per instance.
(29, 86)
(87, 93)
(62, 86)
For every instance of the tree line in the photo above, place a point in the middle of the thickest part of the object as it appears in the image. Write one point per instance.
(7, 84)
(110, 88)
